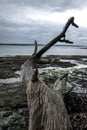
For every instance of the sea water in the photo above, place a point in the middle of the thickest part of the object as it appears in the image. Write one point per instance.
(12, 50)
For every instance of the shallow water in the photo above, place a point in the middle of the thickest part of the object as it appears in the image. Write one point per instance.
(9, 80)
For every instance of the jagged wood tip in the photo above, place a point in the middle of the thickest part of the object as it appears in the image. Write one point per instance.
(35, 49)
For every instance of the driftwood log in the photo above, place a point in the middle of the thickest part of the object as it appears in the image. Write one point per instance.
(47, 110)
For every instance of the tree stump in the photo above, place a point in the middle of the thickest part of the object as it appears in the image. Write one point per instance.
(46, 106)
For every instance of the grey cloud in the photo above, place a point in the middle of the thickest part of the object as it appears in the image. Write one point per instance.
(59, 5)
(11, 31)
(26, 33)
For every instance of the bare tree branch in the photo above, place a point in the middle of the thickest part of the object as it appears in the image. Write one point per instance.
(58, 38)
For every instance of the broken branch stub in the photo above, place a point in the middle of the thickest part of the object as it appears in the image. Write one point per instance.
(35, 49)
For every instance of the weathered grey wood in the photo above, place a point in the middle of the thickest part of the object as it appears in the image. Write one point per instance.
(46, 106)
(62, 86)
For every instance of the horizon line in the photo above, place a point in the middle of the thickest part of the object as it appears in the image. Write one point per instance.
(31, 44)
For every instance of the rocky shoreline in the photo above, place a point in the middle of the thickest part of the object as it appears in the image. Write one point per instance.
(13, 104)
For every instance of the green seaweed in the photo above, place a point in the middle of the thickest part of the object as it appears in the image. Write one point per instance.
(2, 104)
(49, 76)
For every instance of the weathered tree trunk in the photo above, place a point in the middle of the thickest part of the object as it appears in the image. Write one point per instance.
(47, 110)
(46, 106)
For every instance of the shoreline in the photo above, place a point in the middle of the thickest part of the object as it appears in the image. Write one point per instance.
(60, 56)
(13, 50)
(64, 45)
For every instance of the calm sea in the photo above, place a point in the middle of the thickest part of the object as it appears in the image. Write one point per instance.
(12, 50)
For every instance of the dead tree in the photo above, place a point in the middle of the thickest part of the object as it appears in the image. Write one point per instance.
(46, 106)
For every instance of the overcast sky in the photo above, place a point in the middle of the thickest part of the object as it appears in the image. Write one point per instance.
(23, 21)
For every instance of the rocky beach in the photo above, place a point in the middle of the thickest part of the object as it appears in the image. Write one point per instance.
(13, 104)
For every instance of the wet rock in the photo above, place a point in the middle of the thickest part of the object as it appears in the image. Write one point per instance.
(8, 65)
(63, 64)
(79, 121)
(77, 103)
(0, 128)
(14, 119)
(13, 104)
(8, 113)
(12, 95)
